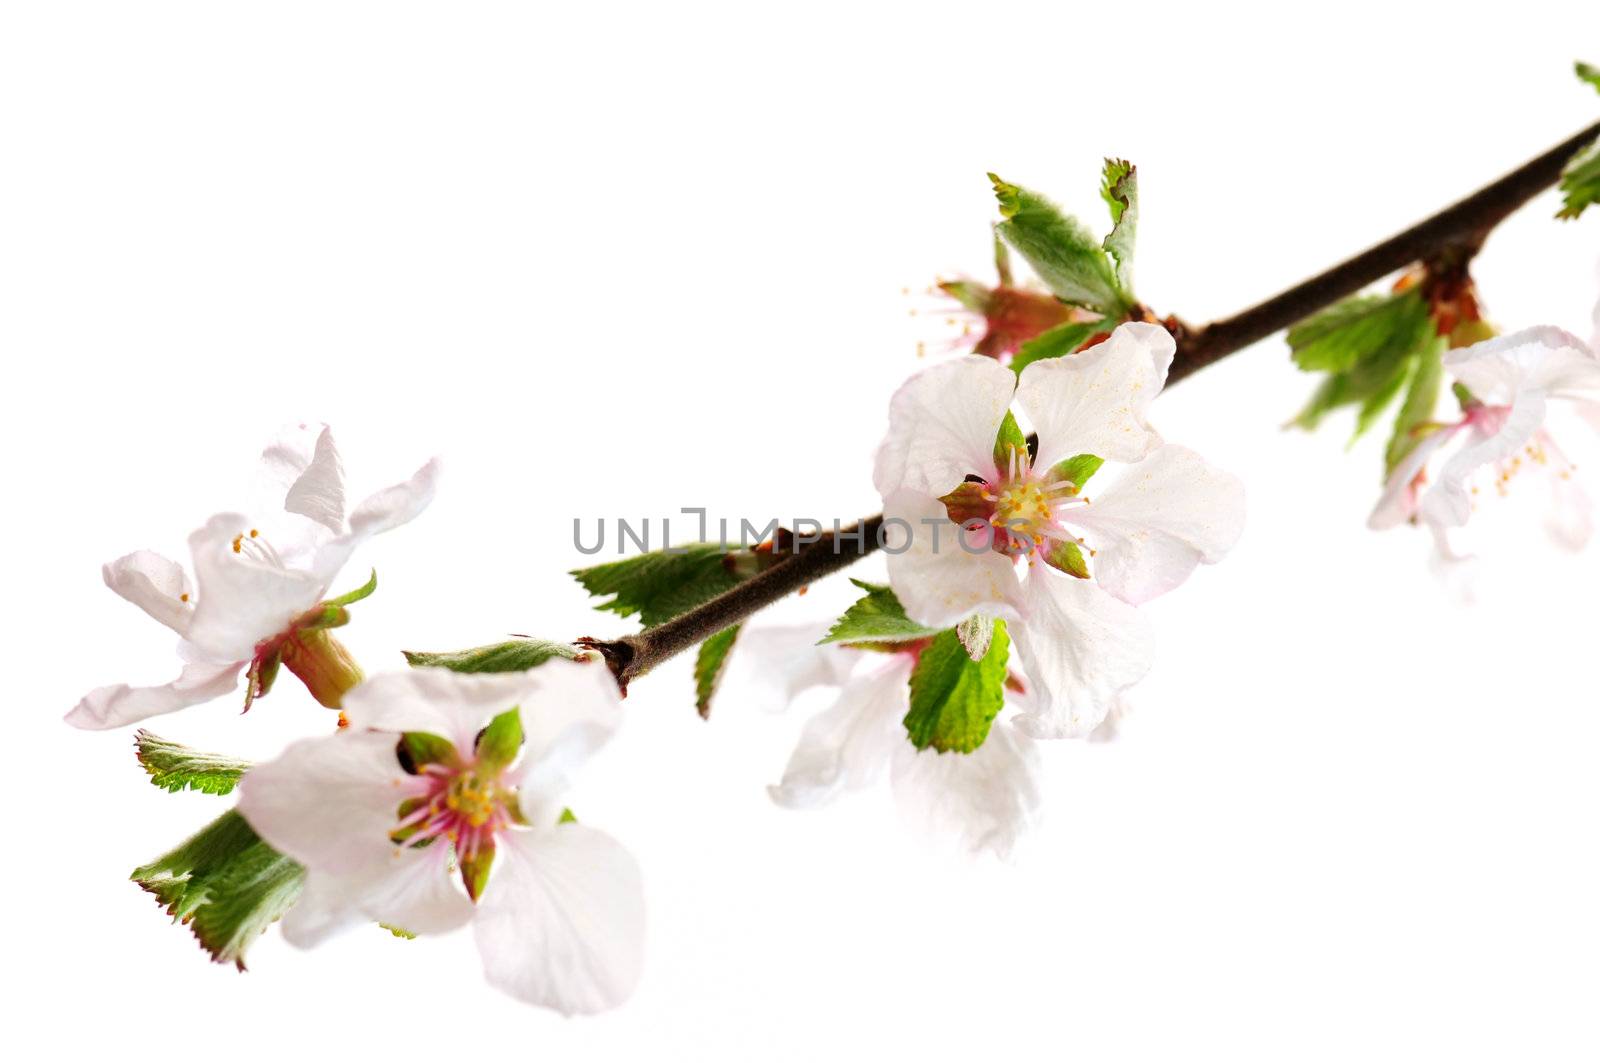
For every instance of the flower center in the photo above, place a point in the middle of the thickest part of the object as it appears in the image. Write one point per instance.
(253, 545)
(464, 805)
(1027, 507)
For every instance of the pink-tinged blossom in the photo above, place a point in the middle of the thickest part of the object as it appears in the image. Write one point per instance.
(249, 600)
(428, 834)
(1012, 537)
(1515, 382)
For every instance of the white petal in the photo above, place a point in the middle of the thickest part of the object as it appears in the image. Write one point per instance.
(241, 600)
(1448, 503)
(1400, 501)
(414, 890)
(158, 586)
(1555, 362)
(848, 746)
(942, 426)
(1094, 402)
(383, 511)
(1080, 648)
(1570, 520)
(436, 701)
(1160, 519)
(318, 492)
(561, 923)
(571, 711)
(939, 580)
(120, 705)
(987, 799)
(771, 666)
(330, 802)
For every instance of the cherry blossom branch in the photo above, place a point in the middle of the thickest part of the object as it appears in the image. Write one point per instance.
(1455, 232)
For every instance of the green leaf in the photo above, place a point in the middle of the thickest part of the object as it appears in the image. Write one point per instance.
(516, 655)
(1070, 261)
(1588, 73)
(1422, 398)
(501, 741)
(1007, 440)
(877, 617)
(1580, 182)
(225, 883)
(1055, 342)
(363, 591)
(1364, 328)
(1119, 187)
(708, 665)
(971, 295)
(1067, 556)
(658, 586)
(173, 767)
(955, 699)
(1077, 469)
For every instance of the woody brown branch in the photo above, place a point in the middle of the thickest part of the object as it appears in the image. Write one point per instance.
(1457, 230)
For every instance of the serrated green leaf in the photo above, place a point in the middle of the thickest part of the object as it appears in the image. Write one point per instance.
(514, 655)
(226, 884)
(1422, 398)
(1055, 342)
(501, 741)
(1008, 440)
(1580, 182)
(708, 665)
(877, 617)
(1588, 73)
(173, 767)
(659, 585)
(1077, 470)
(1119, 187)
(1365, 328)
(1070, 261)
(955, 699)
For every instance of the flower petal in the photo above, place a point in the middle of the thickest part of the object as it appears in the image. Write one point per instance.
(240, 599)
(572, 709)
(938, 579)
(1401, 498)
(987, 799)
(1570, 519)
(380, 512)
(561, 923)
(330, 802)
(318, 492)
(158, 586)
(1080, 648)
(1094, 402)
(117, 706)
(1448, 503)
(413, 890)
(436, 701)
(942, 426)
(774, 665)
(848, 746)
(1549, 359)
(1160, 519)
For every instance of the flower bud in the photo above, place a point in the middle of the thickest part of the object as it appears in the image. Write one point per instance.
(322, 663)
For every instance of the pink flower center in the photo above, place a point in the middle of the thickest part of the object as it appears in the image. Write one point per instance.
(1019, 511)
(465, 805)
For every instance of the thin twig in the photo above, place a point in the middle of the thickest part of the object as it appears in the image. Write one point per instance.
(1463, 225)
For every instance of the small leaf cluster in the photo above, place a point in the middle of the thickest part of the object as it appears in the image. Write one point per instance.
(1095, 275)
(1372, 349)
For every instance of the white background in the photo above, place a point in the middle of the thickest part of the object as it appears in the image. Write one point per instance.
(615, 260)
